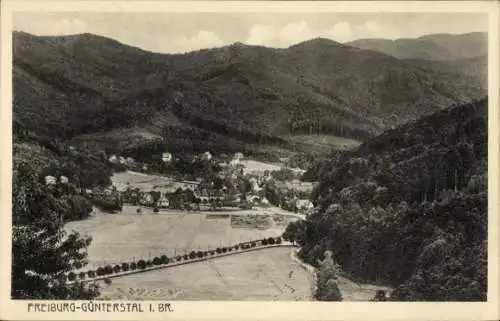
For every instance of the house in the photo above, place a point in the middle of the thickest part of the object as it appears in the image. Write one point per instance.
(163, 202)
(254, 199)
(64, 180)
(146, 199)
(304, 205)
(50, 180)
(167, 157)
(191, 184)
(206, 156)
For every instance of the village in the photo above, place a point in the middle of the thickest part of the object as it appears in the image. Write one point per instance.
(219, 182)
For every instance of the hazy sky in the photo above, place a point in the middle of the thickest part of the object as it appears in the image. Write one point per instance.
(181, 32)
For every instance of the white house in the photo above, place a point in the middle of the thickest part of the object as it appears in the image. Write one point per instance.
(304, 205)
(113, 159)
(50, 180)
(163, 202)
(64, 179)
(207, 156)
(167, 157)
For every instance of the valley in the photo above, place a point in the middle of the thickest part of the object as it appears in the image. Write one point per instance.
(321, 171)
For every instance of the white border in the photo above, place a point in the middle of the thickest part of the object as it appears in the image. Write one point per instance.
(230, 310)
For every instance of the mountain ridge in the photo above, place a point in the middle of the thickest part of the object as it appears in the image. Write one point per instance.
(86, 84)
(442, 46)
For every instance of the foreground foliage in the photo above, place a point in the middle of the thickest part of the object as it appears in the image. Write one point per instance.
(41, 251)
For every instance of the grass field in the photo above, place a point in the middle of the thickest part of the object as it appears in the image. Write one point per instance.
(322, 143)
(141, 181)
(268, 274)
(126, 236)
(352, 291)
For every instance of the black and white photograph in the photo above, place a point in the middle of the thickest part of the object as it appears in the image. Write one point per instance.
(249, 156)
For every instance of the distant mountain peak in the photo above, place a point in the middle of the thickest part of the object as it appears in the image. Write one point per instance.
(318, 41)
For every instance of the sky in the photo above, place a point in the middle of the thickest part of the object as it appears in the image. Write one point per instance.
(183, 32)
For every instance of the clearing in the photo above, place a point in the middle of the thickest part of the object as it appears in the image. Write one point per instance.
(322, 143)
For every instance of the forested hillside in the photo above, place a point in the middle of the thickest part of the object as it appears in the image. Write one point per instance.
(409, 208)
(84, 86)
(443, 47)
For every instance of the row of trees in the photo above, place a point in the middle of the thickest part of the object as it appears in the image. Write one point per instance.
(164, 260)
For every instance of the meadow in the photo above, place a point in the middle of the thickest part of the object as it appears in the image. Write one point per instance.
(129, 236)
(321, 143)
(268, 274)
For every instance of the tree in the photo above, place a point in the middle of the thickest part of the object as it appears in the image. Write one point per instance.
(41, 251)
(108, 269)
(327, 288)
(157, 261)
(141, 264)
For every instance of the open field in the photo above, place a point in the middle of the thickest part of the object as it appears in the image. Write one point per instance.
(322, 143)
(268, 274)
(141, 181)
(352, 291)
(127, 235)
(253, 166)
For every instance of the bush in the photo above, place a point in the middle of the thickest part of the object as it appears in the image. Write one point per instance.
(178, 258)
(212, 252)
(164, 259)
(236, 247)
(224, 249)
(133, 266)
(107, 281)
(108, 269)
(125, 267)
(199, 254)
(271, 240)
(82, 275)
(218, 250)
(192, 255)
(91, 274)
(117, 269)
(71, 276)
(253, 244)
(230, 249)
(149, 263)
(156, 210)
(78, 265)
(156, 261)
(278, 240)
(141, 264)
(264, 242)
(185, 257)
(63, 278)
(100, 271)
